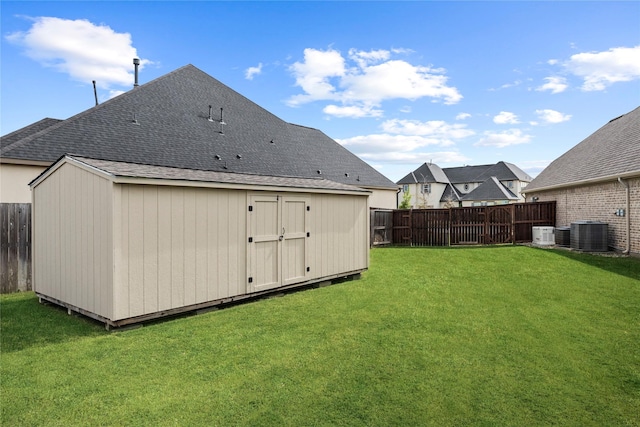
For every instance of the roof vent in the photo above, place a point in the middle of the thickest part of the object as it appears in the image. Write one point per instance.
(347, 175)
(210, 115)
(218, 157)
(319, 172)
(222, 123)
(136, 63)
(135, 120)
(238, 156)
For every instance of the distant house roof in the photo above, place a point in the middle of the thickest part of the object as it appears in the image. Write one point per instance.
(611, 151)
(450, 194)
(491, 189)
(175, 121)
(502, 170)
(426, 173)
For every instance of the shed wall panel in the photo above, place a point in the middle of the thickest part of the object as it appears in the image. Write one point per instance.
(180, 246)
(72, 250)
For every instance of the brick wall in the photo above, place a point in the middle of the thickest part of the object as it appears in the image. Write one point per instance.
(598, 202)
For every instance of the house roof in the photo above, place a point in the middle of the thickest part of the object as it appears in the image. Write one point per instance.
(115, 170)
(491, 189)
(429, 172)
(450, 194)
(169, 122)
(9, 140)
(502, 170)
(611, 151)
(426, 173)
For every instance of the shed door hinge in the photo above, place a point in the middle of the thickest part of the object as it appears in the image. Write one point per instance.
(308, 269)
(308, 234)
(250, 208)
(250, 239)
(250, 279)
(308, 207)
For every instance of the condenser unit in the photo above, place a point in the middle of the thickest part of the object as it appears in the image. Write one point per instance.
(563, 236)
(589, 236)
(543, 236)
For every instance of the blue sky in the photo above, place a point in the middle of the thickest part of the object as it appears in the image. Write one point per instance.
(397, 83)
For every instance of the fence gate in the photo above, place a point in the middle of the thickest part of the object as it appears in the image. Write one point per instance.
(498, 227)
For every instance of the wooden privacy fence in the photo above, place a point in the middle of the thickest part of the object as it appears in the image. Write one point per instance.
(483, 225)
(15, 247)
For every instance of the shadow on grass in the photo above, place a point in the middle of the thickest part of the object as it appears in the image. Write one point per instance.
(623, 265)
(25, 323)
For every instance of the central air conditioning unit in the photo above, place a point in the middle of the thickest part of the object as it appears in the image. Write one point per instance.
(563, 236)
(589, 236)
(543, 236)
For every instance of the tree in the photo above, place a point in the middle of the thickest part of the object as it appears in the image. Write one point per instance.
(406, 201)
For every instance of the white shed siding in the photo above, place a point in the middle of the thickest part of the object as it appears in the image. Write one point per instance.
(339, 234)
(179, 246)
(72, 252)
(122, 250)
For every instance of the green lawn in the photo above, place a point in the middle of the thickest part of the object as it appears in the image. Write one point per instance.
(490, 336)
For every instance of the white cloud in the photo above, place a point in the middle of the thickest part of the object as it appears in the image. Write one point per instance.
(404, 142)
(251, 72)
(352, 111)
(503, 139)
(388, 144)
(600, 70)
(366, 79)
(404, 158)
(314, 73)
(554, 85)
(81, 49)
(440, 129)
(506, 117)
(463, 116)
(552, 116)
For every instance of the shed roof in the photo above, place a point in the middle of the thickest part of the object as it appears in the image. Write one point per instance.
(611, 151)
(168, 122)
(116, 170)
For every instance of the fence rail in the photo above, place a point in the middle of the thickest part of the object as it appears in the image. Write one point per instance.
(15, 247)
(481, 225)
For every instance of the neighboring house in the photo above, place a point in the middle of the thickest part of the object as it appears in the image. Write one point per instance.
(484, 185)
(185, 119)
(598, 180)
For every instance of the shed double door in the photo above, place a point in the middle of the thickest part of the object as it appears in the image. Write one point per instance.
(277, 254)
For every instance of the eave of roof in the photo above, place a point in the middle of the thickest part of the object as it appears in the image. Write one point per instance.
(133, 173)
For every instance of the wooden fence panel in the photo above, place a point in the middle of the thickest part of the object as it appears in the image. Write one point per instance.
(15, 247)
(402, 227)
(470, 225)
(381, 227)
(430, 227)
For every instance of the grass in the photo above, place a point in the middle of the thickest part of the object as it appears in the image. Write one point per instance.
(467, 336)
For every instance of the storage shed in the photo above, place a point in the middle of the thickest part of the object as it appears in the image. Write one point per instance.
(124, 242)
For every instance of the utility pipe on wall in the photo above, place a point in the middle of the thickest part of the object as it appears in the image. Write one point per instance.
(625, 184)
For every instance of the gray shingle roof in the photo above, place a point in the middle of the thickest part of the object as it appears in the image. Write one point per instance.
(11, 139)
(133, 170)
(465, 174)
(166, 123)
(426, 173)
(612, 150)
(491, 189)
